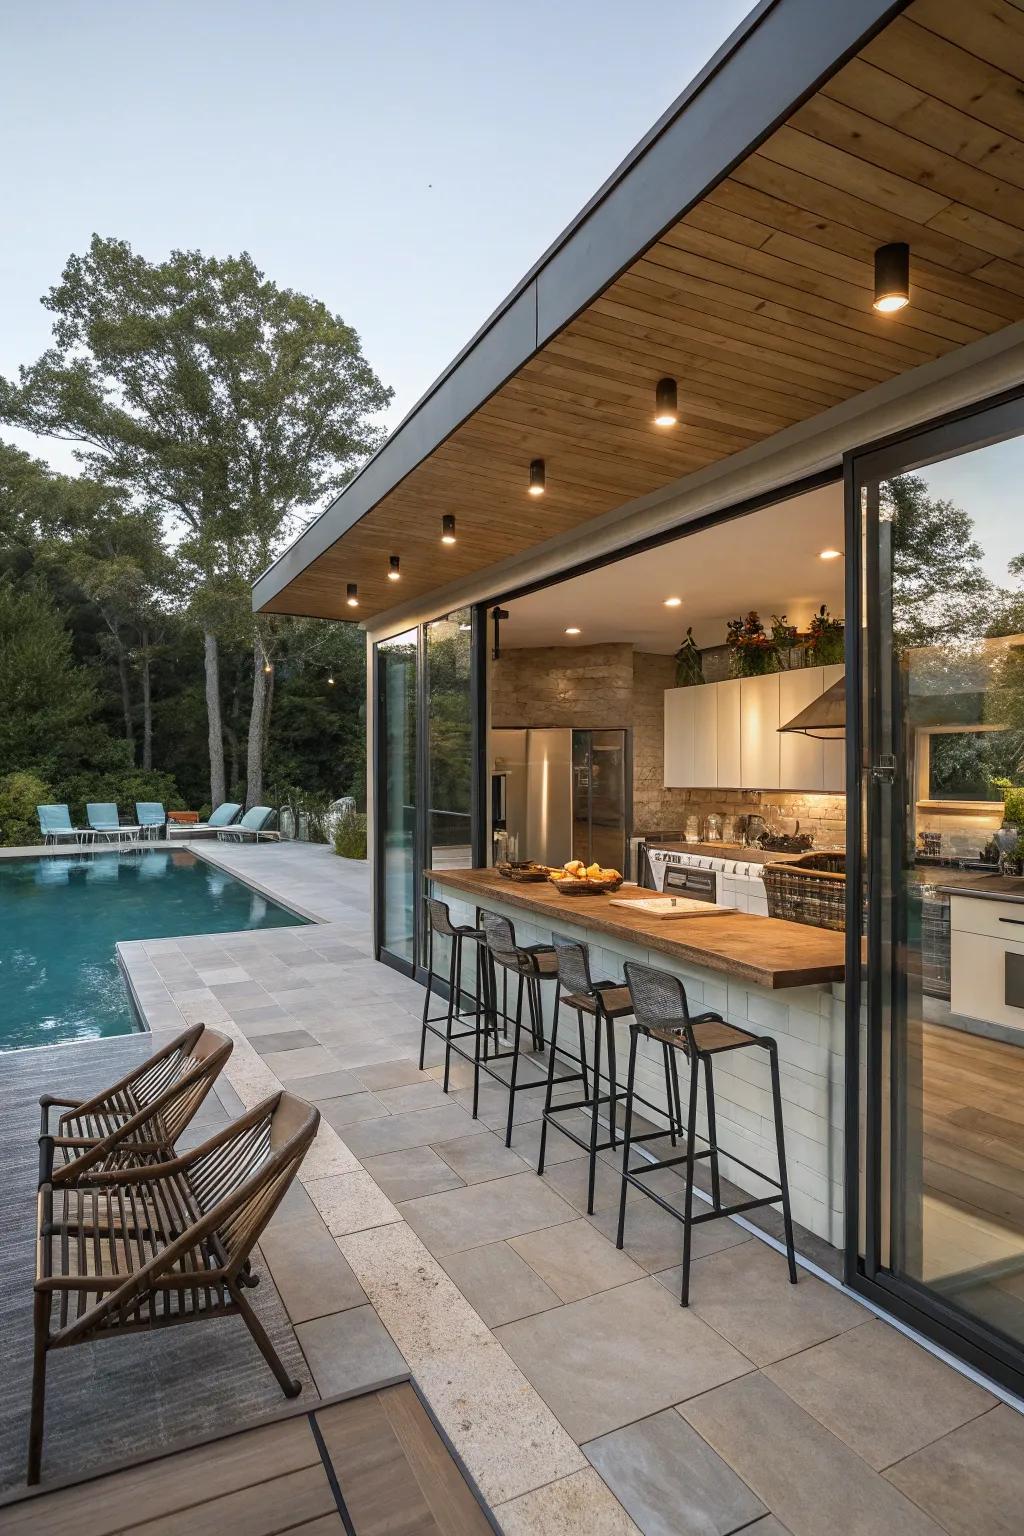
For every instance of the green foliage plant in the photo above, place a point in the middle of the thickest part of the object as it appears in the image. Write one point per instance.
(754, 652)
(350, 836)
(826, 639)
(20, 793)
(689, 667)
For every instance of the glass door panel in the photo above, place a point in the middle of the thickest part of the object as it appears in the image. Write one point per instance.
(397, 787)
(449, 662)
(943, 730)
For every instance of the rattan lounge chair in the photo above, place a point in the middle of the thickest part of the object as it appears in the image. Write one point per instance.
(139, 1119)
(143, 1248)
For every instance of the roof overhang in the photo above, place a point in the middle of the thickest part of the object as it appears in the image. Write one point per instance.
(732, 249)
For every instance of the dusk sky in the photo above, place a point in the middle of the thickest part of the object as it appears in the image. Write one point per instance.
(404, 162)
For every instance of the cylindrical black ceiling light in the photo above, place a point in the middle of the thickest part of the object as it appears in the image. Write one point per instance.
(538, 482)
(892, 278)
(394, 568)
(353, 595)
(666, 403)
(448, 528)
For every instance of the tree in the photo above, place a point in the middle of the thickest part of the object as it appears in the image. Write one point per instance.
(48, 701)
(225, 402)
(939, 588)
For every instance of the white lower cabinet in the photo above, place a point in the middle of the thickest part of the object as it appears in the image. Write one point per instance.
(987, 959)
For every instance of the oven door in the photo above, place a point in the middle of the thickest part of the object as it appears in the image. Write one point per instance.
(697, 884)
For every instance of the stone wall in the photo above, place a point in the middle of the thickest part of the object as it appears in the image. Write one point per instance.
(614, 687)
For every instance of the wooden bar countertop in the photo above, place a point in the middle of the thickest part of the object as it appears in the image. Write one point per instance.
(764, 950)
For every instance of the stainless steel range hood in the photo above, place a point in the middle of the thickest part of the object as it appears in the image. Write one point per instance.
(825, 717)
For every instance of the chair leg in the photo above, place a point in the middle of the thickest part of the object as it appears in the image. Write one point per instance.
(547, 1095)
(480, 1023)
(595, 1101)
(709, 1096)
(780, 1143)
(691, 1122)
(288, 1384)
(626, 1134)
(517, 1028)
(426, 995)
(673, 1118)
(453, 983)
(583, 1058)
(612, 1084)
(41, 1327)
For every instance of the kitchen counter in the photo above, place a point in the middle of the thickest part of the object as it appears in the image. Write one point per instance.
(741, 852)
(766, 951)
(987, 887)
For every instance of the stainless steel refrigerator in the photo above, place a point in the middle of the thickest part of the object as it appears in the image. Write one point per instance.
(560, 794)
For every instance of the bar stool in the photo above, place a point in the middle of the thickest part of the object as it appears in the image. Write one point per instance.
(604, 1002)
(530, 965)
(439, 922)
(661, 1013)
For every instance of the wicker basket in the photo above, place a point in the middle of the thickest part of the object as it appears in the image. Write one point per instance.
(811, 890)
(524, 873)
(587, 887)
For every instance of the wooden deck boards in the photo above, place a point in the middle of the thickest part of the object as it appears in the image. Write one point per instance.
(394, 1473)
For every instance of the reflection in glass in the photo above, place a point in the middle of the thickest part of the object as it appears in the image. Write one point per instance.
(396, 664)
(449, 656)
(948, 691)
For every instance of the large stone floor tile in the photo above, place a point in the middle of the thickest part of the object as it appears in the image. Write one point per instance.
(406, 1096)
(526, 1141)
(498, 1283)
(810, 1480)
(306, 1061)
(325, 1085)
(349, 1351)
(618, 1356)
(275, 1039)
(670, 1480)
(410, 1173)
(744, 1293)
(972, 1480)
(351, 1202)
(391, 1074)
(311, 1275)
(508, 1438)
(492, 1106)
(572, 1180)
(480, 1157)
(350, 1109)
(579, 1505)
(880, 1392)
(575, 1260)
(418, 1128)
(485, 1213)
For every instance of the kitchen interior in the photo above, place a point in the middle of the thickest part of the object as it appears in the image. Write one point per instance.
(679, 715)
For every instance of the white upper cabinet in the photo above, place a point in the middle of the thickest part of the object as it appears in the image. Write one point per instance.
(759, 732)
(727, 733)
(801, 758)
(679, 711)
(705, 735)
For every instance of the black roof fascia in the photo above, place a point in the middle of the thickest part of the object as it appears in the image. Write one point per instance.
(772, 62)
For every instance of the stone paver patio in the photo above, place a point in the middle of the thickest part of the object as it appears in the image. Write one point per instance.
(579, 1396)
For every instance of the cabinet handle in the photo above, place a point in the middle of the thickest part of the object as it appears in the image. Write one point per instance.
(1018, 922)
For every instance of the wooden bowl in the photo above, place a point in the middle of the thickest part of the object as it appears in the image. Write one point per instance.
(587, 887)
(525, 873)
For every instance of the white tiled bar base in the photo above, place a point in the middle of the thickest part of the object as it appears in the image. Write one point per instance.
(808, 1024)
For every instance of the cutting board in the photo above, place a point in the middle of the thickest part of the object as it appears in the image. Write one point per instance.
(672, 907)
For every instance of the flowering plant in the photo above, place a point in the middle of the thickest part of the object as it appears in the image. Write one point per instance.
(754, 651)
(826, 643)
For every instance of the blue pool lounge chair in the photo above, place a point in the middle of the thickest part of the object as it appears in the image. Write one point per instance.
(103, 820)
(222, 817)
(151, 817)
(55, 825)
(252, 827)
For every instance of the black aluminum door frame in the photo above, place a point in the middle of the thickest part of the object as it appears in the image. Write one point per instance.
(986, 422)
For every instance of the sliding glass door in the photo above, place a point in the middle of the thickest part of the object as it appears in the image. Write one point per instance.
(939, 563)
(427, 791)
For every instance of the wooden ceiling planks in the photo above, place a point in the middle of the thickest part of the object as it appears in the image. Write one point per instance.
(758, 301)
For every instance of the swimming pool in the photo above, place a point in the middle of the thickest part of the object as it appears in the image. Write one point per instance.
(61, 916)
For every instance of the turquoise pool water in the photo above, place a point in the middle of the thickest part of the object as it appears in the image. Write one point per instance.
(61, 915)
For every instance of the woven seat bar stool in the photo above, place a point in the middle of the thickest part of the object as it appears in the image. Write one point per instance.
(603, 1002)
(530, 965)
(661, 1013)
(440, 925)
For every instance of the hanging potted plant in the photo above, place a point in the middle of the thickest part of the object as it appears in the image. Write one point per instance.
(689, 668)
(753, 651)
(826, 639)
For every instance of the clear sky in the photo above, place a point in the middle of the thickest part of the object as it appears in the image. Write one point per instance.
(405, 161)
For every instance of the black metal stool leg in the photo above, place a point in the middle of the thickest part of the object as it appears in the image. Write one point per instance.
(548, 1094)
(780, 1142)
(691, 1123)
(593, 1111)
(627, 1132)
(516, 1032)
(709, 1095)
(676, 1099)
(453, 993)
(426, 995)
(583, 1056)
(482, 1025)
(669, 1100)
(612, 1084)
